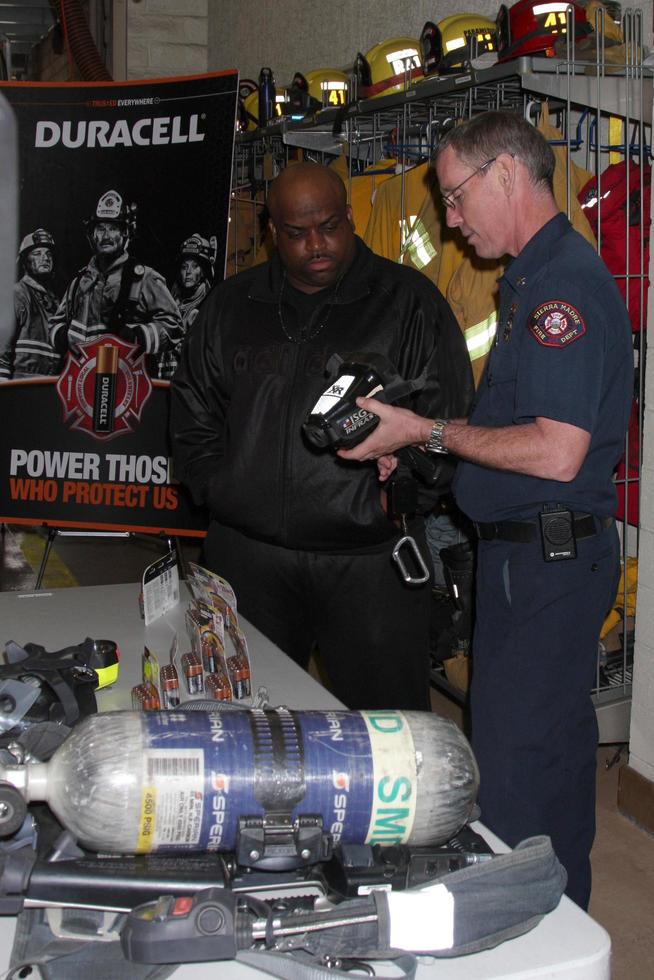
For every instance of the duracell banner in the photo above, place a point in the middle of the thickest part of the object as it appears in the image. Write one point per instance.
(124, 205)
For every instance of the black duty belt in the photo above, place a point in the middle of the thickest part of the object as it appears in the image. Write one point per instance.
(585, 526)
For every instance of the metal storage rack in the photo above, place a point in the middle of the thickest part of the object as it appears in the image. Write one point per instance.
(582, 97)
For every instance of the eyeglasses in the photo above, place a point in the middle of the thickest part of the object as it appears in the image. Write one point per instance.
(449, 200)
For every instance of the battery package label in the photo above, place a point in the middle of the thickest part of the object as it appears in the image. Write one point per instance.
(354, 769)
(160, 587)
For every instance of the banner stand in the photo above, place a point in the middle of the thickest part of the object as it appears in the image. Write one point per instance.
(172, 543)
(86, 367)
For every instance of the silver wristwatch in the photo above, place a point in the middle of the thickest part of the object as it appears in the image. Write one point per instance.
(435, 442)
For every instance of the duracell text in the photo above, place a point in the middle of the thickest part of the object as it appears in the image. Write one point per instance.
(104, 402)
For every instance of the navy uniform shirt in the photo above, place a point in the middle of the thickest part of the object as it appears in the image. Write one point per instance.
(563, 351)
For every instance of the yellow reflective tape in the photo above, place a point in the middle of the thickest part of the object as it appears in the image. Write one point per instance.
(479, 337)
(107, 675)
(418, 245)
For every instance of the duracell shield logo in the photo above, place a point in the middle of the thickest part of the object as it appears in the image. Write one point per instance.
(104, 387)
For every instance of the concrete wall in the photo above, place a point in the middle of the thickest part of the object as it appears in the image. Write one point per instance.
(167, 37)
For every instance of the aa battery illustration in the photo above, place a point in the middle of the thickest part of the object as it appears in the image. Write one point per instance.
(104, 401)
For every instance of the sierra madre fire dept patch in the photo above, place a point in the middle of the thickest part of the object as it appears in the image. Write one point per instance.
(556, 324)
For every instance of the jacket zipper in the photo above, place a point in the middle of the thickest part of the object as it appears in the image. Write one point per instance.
(286, 458)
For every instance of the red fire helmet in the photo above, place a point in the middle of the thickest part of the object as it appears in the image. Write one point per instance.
(534, 26)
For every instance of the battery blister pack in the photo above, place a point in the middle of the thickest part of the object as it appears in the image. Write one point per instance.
(215, 664)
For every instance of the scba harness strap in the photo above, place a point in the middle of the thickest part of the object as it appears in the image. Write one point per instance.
(491, 902)
(122, 312)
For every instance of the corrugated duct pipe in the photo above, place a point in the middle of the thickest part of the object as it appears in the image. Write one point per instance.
(80, 44)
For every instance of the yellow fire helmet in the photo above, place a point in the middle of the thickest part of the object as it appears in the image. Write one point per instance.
(329, 86)
(456, 33)
(318, 89)
(393, 64)
(431, 44)
(251, 106)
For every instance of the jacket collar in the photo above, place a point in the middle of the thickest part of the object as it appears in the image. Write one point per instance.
(35, 284)
(116, 264)
(355, 285)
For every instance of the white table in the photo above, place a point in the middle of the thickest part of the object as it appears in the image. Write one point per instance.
(566, 945)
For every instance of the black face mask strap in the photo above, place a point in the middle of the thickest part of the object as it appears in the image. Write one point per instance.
(395, 387)
(399, 388)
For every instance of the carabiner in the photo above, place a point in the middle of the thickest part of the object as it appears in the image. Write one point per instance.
(420, 561)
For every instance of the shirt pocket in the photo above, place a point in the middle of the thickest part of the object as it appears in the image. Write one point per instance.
(503, 364)
(499, 402)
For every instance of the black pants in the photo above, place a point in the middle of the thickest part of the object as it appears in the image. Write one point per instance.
(534, 729)
(372, 630)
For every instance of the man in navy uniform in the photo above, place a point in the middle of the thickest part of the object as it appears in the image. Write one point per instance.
(537, 456)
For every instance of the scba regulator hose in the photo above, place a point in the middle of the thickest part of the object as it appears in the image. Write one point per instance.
(170, 781)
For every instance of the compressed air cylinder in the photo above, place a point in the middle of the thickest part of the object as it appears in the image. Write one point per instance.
(173, 781)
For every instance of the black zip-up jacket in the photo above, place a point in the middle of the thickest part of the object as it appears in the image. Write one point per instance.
(243, 389)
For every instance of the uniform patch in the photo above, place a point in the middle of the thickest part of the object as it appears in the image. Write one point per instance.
(556, 324)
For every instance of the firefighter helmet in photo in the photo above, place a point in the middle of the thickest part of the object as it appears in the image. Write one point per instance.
(203, 250)
(112, 207)
(40, 238)
(530, 27)
(393, 64)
